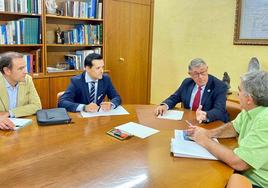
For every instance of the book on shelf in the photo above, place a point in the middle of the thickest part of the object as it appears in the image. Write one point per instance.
(22, 31)
(76, 61)
(72, 61)
(83, 34)
(37, 65)
(83, 54)
(80, 9)
(2, 5)
(99, 16)
(182, 146)
(32, 60)
(21, 6)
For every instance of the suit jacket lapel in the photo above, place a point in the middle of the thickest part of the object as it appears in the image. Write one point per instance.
(206, 92)
(21, 93)
(85, 87)
(189, 94)
(99, 89)
(3, 93)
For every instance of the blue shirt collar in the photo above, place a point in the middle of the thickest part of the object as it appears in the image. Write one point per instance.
(89, 79)
(8, 86)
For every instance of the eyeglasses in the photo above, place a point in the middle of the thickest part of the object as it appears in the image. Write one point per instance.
(197, 74)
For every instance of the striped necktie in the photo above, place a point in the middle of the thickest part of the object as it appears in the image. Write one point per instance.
(92, 92)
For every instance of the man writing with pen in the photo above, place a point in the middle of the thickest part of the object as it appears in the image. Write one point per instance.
(249, 127)
(87, 91)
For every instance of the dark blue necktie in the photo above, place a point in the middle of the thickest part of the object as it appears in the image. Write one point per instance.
(92, 92)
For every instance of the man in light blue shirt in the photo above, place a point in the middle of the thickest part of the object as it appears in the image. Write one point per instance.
(12, 97)
(18, 96)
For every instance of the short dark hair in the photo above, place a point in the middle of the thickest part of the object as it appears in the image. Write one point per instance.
(90, 58)
(6, 60)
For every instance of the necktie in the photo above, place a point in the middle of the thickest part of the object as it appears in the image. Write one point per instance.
(197, 99)
(92, 92)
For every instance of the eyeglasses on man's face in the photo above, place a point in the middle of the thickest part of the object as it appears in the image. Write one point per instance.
(198, 74)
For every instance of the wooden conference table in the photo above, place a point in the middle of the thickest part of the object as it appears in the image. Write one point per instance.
(81, 154)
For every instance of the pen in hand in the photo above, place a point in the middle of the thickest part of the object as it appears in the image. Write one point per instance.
(189, 123)
(188, 133)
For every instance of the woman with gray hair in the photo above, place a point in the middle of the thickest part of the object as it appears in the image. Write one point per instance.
(251, 128)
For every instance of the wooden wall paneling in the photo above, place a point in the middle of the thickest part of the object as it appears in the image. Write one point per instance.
(42, 87)
(56, 85)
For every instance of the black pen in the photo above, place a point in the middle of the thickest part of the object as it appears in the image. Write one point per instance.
(99, 108)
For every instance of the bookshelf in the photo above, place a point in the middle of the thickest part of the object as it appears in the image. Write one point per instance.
(126, 46)
(21, 30)
(69, 37)
(80, 29)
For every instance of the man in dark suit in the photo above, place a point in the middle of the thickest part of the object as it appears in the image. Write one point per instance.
(202, 93)
(86, 91)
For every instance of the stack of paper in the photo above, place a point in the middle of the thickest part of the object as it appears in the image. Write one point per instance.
(19, 122)
(137, 129)
(183, 147)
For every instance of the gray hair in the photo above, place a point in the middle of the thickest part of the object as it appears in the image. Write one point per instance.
(256, 85)
(254, 65)
(196, 63)
(6, 60)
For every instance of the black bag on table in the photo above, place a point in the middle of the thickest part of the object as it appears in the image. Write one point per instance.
(53, 116)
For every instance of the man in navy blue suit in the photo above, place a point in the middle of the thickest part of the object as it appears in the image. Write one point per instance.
(86, 91)
(202, 93)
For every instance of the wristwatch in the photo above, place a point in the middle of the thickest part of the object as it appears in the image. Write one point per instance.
(84, 108)
(206, 121)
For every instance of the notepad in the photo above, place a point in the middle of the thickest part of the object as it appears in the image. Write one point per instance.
(114, 112)
(172, 115)
(20, 122)
(136, 129)
(182, 147)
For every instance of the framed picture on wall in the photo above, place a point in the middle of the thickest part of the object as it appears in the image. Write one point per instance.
(251, 22)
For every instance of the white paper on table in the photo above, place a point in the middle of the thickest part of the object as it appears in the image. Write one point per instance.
(20, 122)
(172, 114)
(114, 112)
(137, 129)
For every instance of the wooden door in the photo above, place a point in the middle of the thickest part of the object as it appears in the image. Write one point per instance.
(127, 48)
